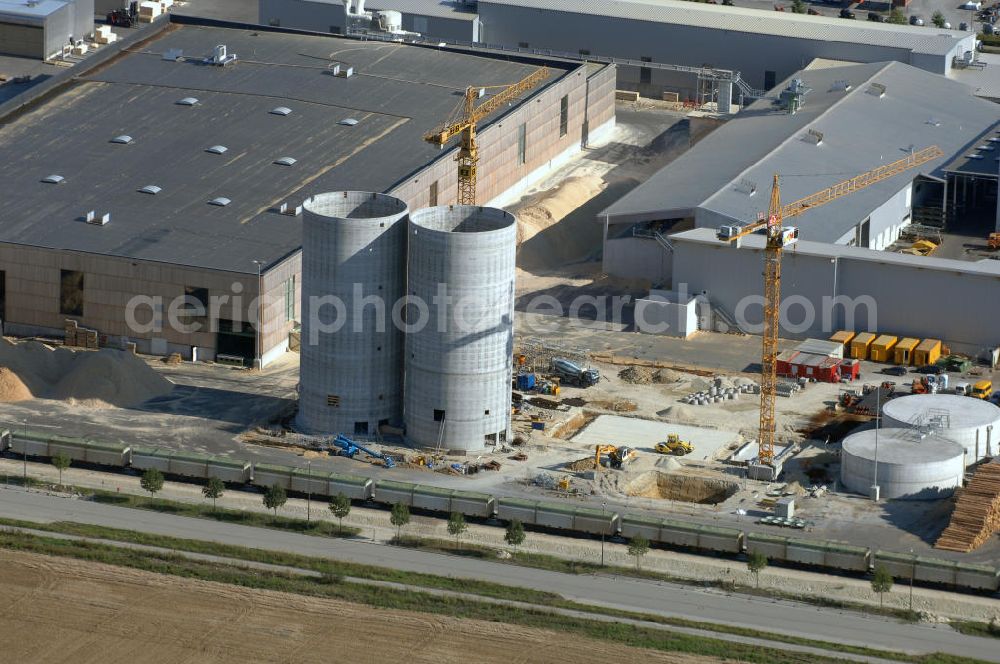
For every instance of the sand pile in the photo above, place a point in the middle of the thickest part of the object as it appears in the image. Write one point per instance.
(85, 378)
(586, 463)
(636, 375)
(678, 413)
(11, 387)
(667, 376)
(542, 241)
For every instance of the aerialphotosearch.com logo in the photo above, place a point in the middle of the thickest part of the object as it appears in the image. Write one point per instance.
(476, 311)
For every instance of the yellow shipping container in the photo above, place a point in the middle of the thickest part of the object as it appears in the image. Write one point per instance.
(927, 352)
(860, 345)
(903, 351)
(882, 348)
(844, 337)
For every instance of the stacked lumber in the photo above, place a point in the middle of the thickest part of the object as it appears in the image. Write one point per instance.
(977, 512)
(80, 336)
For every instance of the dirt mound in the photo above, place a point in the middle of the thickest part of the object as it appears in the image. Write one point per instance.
(667, 376)
(678, 413)
(85, 378)
(586, 463)
(11, 387)
(637, 375)
(617, 406)
(543, 242)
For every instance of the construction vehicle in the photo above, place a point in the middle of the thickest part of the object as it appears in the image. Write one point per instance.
(982, 389)
(573, 374)
(993, 242)
(920, 385)
(464, 122)
(348, 448)
(778, 237)
(674, 445)
(617, 456)
(563, 484)
(920, 248)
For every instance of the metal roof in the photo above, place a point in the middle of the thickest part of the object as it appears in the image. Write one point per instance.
(982, 158)
(860, 131)
(33, 13)
(437, 8)
(739, 19)
(398, 92)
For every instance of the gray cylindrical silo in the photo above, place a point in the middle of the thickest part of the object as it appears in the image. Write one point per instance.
(353, 270)
(461, 327)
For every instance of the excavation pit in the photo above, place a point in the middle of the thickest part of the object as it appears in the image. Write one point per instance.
(680, 487)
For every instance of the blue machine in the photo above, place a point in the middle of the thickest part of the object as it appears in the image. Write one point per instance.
(349, 448)
(526, 382)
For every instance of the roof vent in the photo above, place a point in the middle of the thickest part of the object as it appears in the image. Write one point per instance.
(349, 122)
(934, 122)
(173, 54)
(187, 101)
(290, 211)
(217, 149)
(841, 85)
(220, 57)
(280, 110)
(815, 137)
(993, 139)
(92, 218)
(346, 72)
(221, 201)
(124, 139)
(877, 90)
(985, 148)
(151, 189)
(974, 155)
(285, 161)
(53, 179)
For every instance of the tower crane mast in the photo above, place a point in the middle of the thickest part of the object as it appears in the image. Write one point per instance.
(468, 116)
(777, 237)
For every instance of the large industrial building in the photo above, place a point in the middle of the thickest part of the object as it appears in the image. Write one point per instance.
(673, 36)
(183, 178)
(41, 28)
(826, 125)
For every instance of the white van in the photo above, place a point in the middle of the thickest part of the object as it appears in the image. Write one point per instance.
(963, 389)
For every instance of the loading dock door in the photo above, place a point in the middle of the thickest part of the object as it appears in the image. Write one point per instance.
(236, 338)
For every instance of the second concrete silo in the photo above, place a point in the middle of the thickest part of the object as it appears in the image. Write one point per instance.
(353, 271)
(461, 327)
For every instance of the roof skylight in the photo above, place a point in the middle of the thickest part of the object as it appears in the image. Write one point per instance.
(187, 101)
(221, 201)
(280, 110)
(53, 179)
(217, 149)
(124, 139)
(285, 161)
(151, 189)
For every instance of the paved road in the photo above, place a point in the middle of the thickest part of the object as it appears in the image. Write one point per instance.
(622, 593)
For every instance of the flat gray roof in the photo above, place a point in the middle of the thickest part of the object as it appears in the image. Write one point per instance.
(740, 19)
(436, 8)
(982, 158)
(860, 130)
(21, 12)
(397, 93)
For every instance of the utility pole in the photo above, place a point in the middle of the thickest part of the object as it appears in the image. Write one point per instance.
(309, 489)
(24, 449)
(913, 572)
(878, 420)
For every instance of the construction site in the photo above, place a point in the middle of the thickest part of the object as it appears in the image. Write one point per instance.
(469, 305)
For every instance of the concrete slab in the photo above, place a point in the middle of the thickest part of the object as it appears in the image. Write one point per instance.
(645, 434)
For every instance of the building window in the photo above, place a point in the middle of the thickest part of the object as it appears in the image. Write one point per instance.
(438, 415)
(564, 115)
(71, 292)
(522, 143)
(522, 44)
(645, 73)
(195, 306)
(333, 400)
(433, 197)
(361, 428)
(770, 78)
(290, 299)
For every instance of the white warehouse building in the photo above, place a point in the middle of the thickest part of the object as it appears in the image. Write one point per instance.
(851, 119)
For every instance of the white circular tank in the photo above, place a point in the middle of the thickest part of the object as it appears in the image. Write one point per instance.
(972, 423)
(461, 337)
(353, 271)
(909, 467)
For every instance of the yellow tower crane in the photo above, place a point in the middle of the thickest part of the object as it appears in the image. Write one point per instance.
(465, 124)
(777, 238)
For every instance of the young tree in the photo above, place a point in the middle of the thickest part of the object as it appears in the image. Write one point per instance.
(399, 517)
(457, 525)
(756, 562)
(638, 547)
(213, 489)
(151, 481)
(61, 461)
(897, 16)
(881, 582)
(798, 7)
(937, 18)
(515, 534)
(275, 497)
(340, 506)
